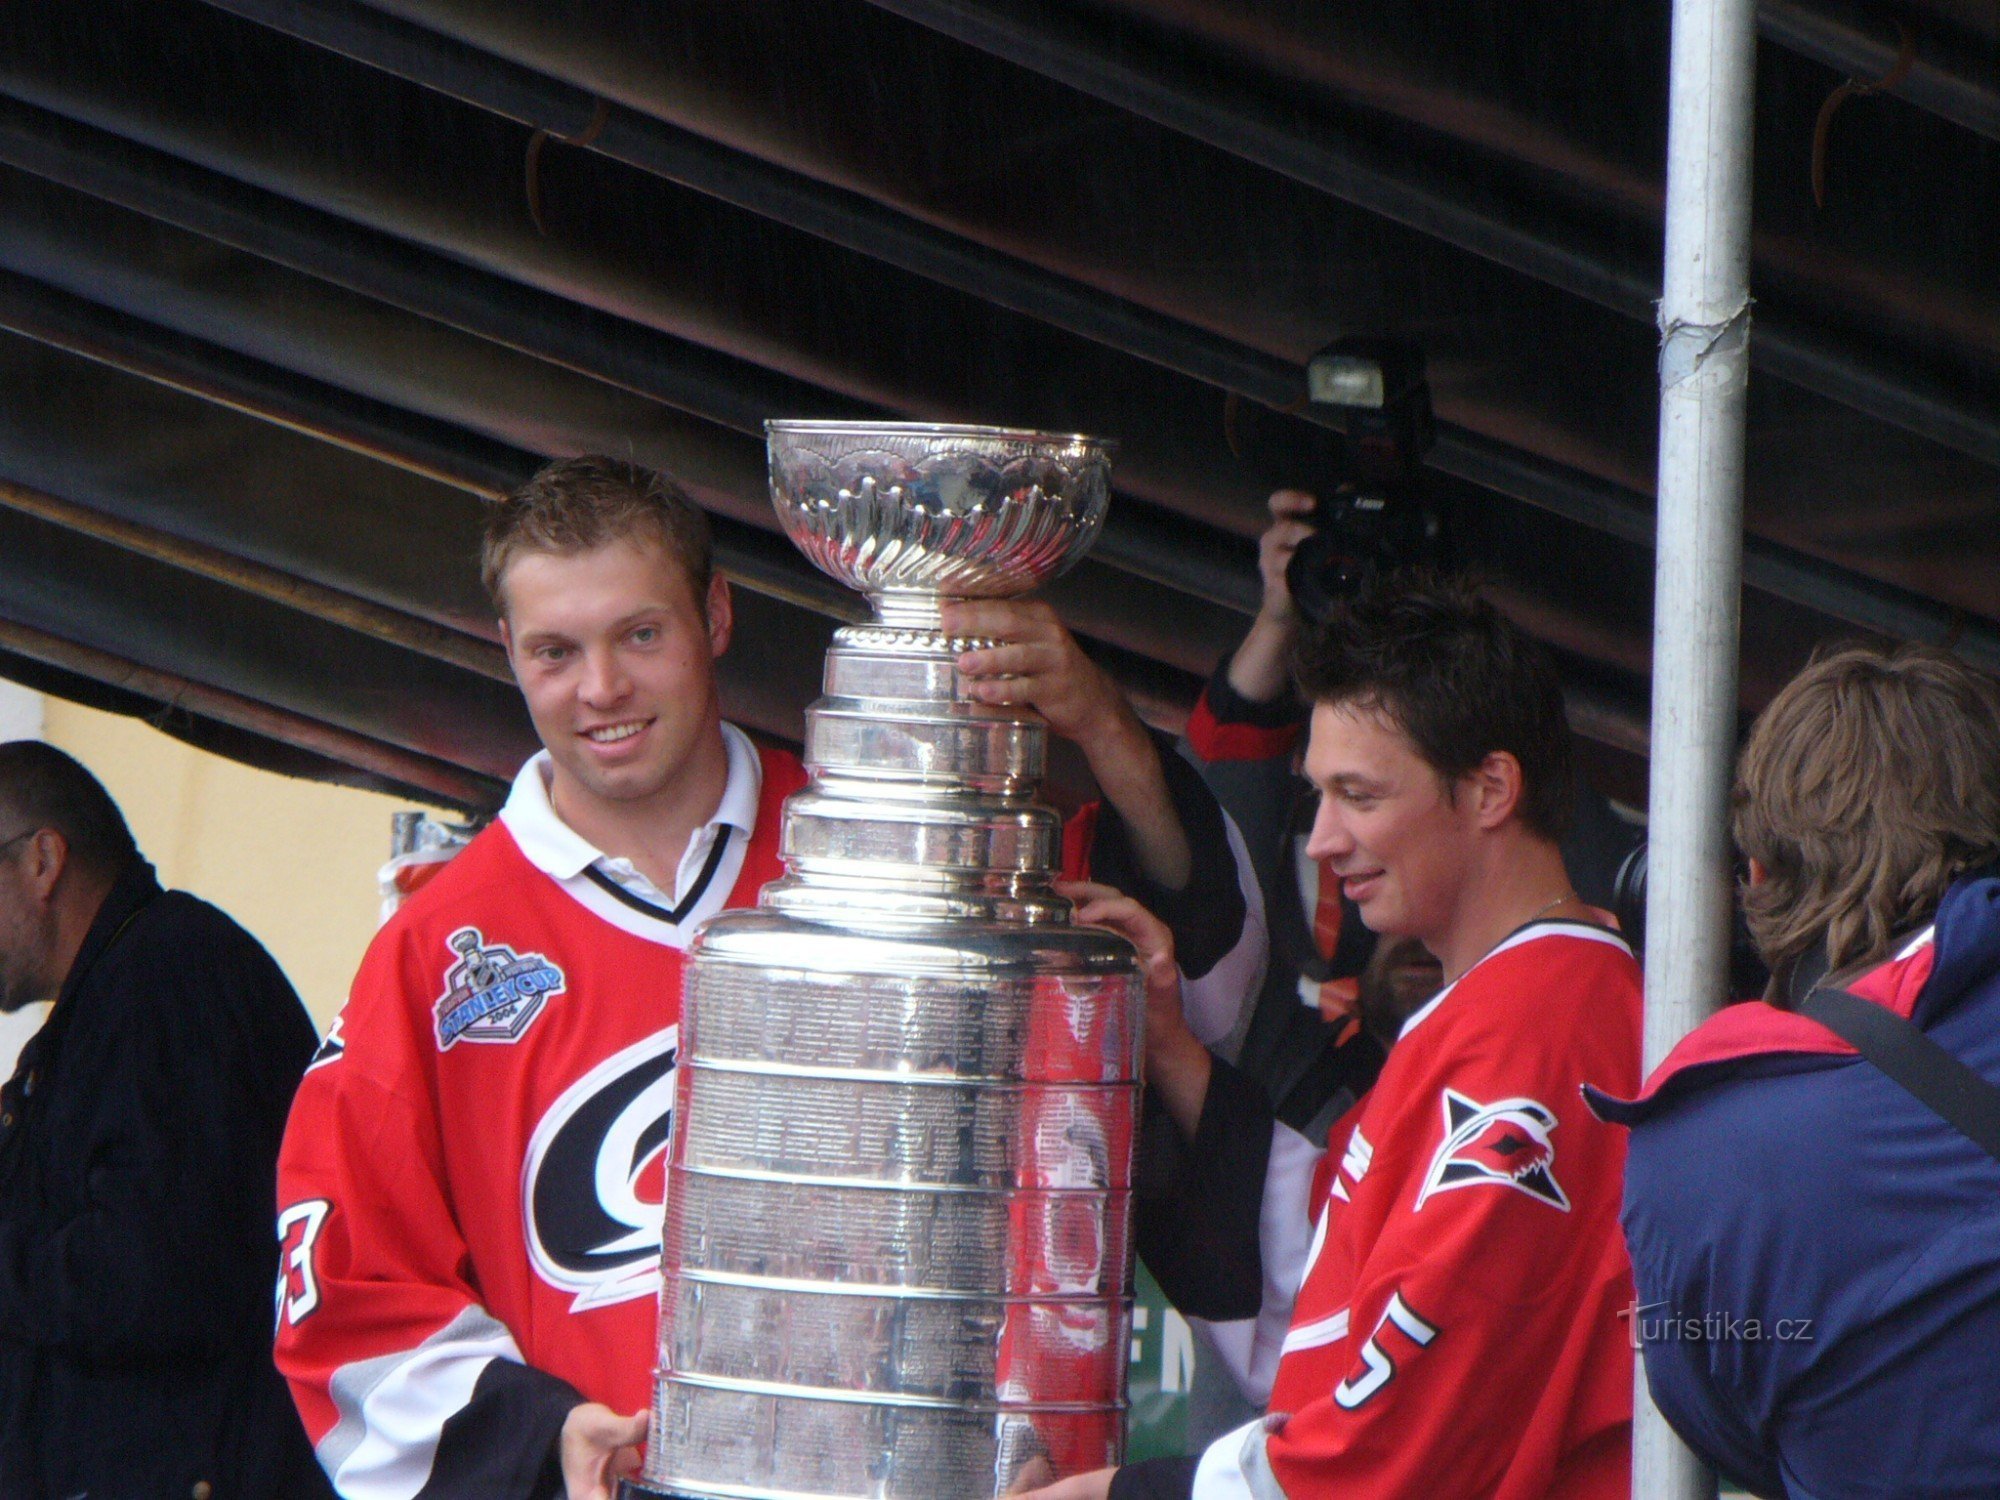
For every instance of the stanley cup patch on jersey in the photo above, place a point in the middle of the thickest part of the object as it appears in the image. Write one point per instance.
(491, 993)
(594, 1186)
(1506, 1144)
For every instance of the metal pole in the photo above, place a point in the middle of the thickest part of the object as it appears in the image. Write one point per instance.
(1704, 375)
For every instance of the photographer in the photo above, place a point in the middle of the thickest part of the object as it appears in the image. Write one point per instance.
(1815, 1229)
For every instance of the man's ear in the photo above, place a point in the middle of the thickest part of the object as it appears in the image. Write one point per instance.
(721, 615)
(44, 857)
(1758, 873)
(1496, 789)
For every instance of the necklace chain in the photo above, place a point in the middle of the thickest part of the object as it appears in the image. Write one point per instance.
(1568, 895)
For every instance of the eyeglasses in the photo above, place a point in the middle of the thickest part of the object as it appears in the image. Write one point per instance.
(25, 833)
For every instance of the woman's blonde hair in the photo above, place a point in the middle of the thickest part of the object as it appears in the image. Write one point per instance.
(1869, 783)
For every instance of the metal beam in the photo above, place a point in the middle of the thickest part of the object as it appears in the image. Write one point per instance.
(458, 787)
(1459, 213)
(1779, 571)
(247, 386)
(477, 77)
(260, 581)
(1852, 41)
(759, 560)
(413, 443)
(837, 215)
(688, 377)
(734, 394)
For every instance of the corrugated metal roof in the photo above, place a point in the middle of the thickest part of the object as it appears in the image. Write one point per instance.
(288, 287)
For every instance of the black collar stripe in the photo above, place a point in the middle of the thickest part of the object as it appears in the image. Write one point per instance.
(678, 914)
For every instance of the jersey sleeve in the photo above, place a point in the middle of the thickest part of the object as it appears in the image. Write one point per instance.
(1223, 1222)
(1226, 726)
(1481, 1339)
(408, 1387)
(1217, 918)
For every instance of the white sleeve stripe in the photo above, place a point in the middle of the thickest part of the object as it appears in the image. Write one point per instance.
(393, 1407)
(1256, 1462)
(1326, 1330)
(1249, 1348)
(1286, 1238)
(1214, 1003)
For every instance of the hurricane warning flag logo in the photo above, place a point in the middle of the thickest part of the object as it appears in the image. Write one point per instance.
(1506, 1144)
(491, 993)
(594, 1187)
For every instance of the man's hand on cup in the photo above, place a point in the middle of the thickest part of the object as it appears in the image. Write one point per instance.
(1177, 1065)
(1102, 906)
(598, 1448)
(1095, 1485)
(1036, 662)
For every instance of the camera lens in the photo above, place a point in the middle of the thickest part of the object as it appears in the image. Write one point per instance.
(1323, 571)
(1628, 896)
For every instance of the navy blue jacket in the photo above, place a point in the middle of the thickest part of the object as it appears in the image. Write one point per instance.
(1776, 1176)
(138, 1242)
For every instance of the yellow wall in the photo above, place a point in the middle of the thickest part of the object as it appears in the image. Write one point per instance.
(293, 861)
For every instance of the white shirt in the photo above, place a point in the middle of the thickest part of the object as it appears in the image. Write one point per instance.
(614, 888)
(15, 1029)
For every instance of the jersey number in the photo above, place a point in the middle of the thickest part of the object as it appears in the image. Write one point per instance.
(298, 1232)
(1397, 1326)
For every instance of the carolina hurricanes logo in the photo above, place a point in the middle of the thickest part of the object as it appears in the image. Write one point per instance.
(1505, 1143)
(594, 1185)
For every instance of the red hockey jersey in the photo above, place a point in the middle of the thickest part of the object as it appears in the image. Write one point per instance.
(471, 1181)
(1459, 1330)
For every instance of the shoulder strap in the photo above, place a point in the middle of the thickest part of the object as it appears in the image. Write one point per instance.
(1902, 1050)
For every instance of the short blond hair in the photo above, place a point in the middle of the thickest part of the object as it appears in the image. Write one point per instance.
(1866, 787)
(580, 504)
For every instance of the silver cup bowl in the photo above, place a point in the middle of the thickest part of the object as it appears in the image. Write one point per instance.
(908, 512)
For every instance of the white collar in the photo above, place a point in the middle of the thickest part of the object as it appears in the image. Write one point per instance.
(560, 852)
(1541, 928)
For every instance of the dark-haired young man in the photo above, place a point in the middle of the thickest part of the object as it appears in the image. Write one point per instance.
(1457, 1329)
(470, 1186)
(138, 1138)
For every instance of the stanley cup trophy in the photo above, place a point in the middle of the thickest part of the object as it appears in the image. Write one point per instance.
(896, 1252)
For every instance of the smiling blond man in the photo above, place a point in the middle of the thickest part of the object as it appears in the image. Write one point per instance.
(470, 1191)
(469, 1188)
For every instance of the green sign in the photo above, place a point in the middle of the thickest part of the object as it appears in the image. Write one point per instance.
(1162, 1365)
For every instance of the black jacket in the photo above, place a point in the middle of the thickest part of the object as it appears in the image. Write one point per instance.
(138, 1252)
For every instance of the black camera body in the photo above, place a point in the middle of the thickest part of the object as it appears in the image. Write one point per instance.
(1747, 972)
(1356, 535)
(1375, 518)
